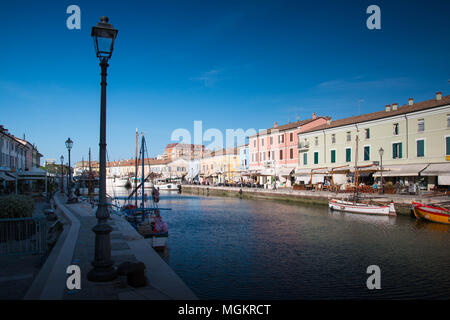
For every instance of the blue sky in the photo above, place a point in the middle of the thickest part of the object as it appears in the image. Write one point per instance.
(231, 64)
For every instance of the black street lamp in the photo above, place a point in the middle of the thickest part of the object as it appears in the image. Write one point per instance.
(381, 152)
(62, 174)
(69, 144)
(103, 267)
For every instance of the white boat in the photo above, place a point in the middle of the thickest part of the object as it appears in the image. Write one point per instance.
(168, 186)
(116, 181)
(364, 208)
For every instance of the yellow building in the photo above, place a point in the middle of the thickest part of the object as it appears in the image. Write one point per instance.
(415, 139)
(221, 166)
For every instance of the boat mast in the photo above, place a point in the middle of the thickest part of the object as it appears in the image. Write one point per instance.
(356, 168)
(142, 176)
(136, 169)
(90, 176)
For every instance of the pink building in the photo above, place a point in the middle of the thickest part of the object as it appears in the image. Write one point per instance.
(274, 152)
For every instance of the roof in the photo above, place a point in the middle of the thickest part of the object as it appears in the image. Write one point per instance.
(288, 126)
(132, 162)
(419, 106)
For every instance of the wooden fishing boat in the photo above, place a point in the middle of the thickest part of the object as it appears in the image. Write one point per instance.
(364, 208)
(357, 205)
(434, 213)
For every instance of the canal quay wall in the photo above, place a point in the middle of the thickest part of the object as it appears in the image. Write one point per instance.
(76, 246)
(320, 198)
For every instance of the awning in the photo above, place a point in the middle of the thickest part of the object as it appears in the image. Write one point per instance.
(437, 169)
(267, 172)
(404, 170)
(302, 172)
(35, 172)
(285, 171)
(6, 177)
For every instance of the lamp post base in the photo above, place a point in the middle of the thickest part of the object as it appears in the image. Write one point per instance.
(104, 269)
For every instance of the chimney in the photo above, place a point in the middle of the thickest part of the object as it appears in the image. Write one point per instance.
(438, 95)
(388, 107)
(410, 101)
(394, 106)
(314, 115)
(275, 124)
(328, 120)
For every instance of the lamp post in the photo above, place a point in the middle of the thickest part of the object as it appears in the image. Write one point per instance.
(381, 152)
(103, 267)
(69, 144)
(62, 174)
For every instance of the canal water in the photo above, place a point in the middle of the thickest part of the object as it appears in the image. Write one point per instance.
(229, 248)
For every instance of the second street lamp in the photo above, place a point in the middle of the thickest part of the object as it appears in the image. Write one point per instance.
(103, 267)
(381, 152)
(62, 175)
(69, 144)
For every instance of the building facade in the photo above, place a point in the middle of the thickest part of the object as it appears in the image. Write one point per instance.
(273, 153)
(414, 138)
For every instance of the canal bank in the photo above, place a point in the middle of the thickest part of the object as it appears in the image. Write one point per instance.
(76, 246)
(319, 198)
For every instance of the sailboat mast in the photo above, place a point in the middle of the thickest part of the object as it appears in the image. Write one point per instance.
(136, 168)
(142, 176)
(90, 176)
(356, 165)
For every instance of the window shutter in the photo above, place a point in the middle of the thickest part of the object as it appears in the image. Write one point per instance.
(394, 151)
(400, 150)
(447, 153)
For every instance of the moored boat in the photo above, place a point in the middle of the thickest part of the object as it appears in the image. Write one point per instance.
(364, 208)
(433, 213)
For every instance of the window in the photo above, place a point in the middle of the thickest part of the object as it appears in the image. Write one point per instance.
(281, 154)
(397, 150)
(316, 157)
(281, 138)
(271, 140)
(272, 155)
(367, 133)
(305, 158)
(420, 148)
(349, 136)
(366, 153)
(448, 121)
(420, 125)
(316, 141)
(291, 153)
(291, 137)
(262, 142)
(333, 138)
(254, 143)
(333, 156)
(268, 155)
(396, 129)
(447, 146)
(348, 154)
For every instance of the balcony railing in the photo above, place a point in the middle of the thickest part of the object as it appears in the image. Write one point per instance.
(303, 146)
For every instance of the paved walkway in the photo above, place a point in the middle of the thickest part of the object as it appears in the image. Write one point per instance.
(126, 245)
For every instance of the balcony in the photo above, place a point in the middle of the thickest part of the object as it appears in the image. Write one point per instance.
(303, 146)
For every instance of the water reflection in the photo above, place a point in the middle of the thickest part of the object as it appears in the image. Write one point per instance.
(229, 248)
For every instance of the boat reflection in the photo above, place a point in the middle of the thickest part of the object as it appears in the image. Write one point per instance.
(366, 218)
(431, 226)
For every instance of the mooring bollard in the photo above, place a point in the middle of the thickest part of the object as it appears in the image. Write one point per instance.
(135, 272)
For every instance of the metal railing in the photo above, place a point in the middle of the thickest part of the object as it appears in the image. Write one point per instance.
(21, 236)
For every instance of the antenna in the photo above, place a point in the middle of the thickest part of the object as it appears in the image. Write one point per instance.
(359, 102)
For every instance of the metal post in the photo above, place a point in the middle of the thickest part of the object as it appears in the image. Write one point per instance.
(103, 267)
(69, 185)
(382, 185)
(62, 178)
